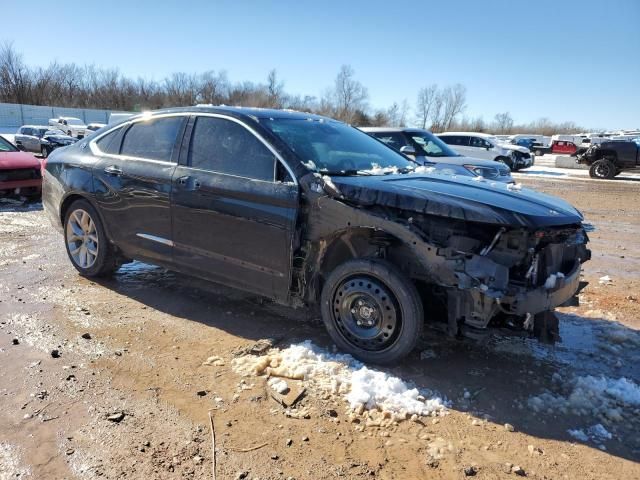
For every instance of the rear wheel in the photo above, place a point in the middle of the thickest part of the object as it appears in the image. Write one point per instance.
(372, 311)
(603, 169)
(87, 245)
(44, 151)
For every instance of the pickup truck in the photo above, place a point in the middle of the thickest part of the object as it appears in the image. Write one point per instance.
(608, 159)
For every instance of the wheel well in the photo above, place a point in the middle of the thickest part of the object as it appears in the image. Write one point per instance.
(66, 203)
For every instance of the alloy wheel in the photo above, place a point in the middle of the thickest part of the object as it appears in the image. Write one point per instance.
(82, 238)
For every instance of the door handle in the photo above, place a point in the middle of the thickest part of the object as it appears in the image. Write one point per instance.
(183, 180)
(113, 170)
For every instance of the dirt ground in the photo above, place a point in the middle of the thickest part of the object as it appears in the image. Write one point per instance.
(106, 380)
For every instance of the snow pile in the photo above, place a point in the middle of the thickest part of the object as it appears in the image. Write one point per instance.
(516, 187)
(601, 397)
(378, 170)
(423, 169)
(597, 433)
(361, 387)
(606, 280)
(552, 280)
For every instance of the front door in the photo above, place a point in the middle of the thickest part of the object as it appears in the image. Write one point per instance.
(234, 208)
(133, 181)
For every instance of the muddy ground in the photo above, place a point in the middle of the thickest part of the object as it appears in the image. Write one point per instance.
(106, 380)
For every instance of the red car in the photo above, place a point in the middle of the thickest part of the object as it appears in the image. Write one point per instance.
(19, 172)
(563, 147)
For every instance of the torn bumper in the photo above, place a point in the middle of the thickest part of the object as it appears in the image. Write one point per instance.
(541, 299)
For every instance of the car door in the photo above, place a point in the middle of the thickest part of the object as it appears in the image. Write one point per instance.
(460, 143)
(133, 181)
(234, 207)
(28, 140)
(481, 148)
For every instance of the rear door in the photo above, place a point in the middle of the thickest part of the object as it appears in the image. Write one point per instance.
(133, 181)
(460, 143)
(234, 207)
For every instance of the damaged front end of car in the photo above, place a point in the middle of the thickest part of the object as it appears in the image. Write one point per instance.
(484, 256)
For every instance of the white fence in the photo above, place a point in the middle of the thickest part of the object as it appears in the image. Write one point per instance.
(14, 115)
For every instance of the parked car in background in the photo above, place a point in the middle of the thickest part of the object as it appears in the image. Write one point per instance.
(488, 147)
(312, 212)
(608, 159)
(427, 149)
(74, 127)
(41, 139)
(20, 173)
(563, 147)
(95, 126)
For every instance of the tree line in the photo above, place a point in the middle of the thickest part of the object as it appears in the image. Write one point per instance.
(86, 86)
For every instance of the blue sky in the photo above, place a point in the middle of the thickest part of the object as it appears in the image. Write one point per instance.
(562, 59)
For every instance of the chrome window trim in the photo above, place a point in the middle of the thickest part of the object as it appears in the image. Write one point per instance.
(153, 238)
(96, 150)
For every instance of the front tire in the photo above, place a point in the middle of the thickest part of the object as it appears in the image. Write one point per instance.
(88, 247)
(603, 169)
(44, 151)
(372, 310)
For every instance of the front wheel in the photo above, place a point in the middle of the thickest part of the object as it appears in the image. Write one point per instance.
(372, 310)
(603, 169)
(88, 247)
(44, 151)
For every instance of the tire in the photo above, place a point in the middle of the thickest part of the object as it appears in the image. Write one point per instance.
(100, 258)
(355, 300)
(539, 153)
(44, 151)
(603, 169)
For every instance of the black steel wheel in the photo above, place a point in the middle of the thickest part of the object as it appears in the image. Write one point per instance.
(372, 310)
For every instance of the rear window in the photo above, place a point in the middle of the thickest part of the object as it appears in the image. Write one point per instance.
(111, 142)
(455, 140)
(152, 139)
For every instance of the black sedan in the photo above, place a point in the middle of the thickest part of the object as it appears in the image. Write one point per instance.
(309, 211)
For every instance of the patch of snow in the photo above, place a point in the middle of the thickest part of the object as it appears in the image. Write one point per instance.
(606, 280)
(378, 170)
(516, 187)
(596, 433)
(602, 397)
(422, 169)
(278, 385)
(310, 164)
(341, 375)
(10, 467)
(552, 280)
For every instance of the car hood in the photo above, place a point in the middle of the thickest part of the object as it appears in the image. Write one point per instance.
(462, 160)
(462, 198)
(516, 148)
(12, 160)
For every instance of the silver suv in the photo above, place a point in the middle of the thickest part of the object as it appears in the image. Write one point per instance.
(489, 147)
(426, 149)
(41, 139)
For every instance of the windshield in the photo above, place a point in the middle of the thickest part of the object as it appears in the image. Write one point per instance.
(431, 145)
(5, 146)
(331, 147)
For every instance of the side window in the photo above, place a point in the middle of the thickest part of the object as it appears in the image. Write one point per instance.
(458, 140)
(479, 142)
(153, 139)
(394, 140)
(111, 142)
(27, 131)
(224, 146)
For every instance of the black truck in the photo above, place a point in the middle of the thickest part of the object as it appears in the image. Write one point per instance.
(608, 159)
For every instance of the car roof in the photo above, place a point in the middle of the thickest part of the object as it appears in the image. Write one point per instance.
(36, 126)
(476, 134)
(241, 112)
(391, 129)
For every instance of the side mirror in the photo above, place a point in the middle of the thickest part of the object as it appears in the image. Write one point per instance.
(488, 147)
(408, 150)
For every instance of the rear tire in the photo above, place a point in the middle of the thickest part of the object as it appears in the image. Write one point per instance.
(372, 310)
(88, 247)
(603, 169)
(44, 151)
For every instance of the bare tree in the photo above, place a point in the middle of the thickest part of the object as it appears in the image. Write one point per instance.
(454, 103)
(349, 94)
(425, 103)
(437, 108)
(275, 89)
(503, 123)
